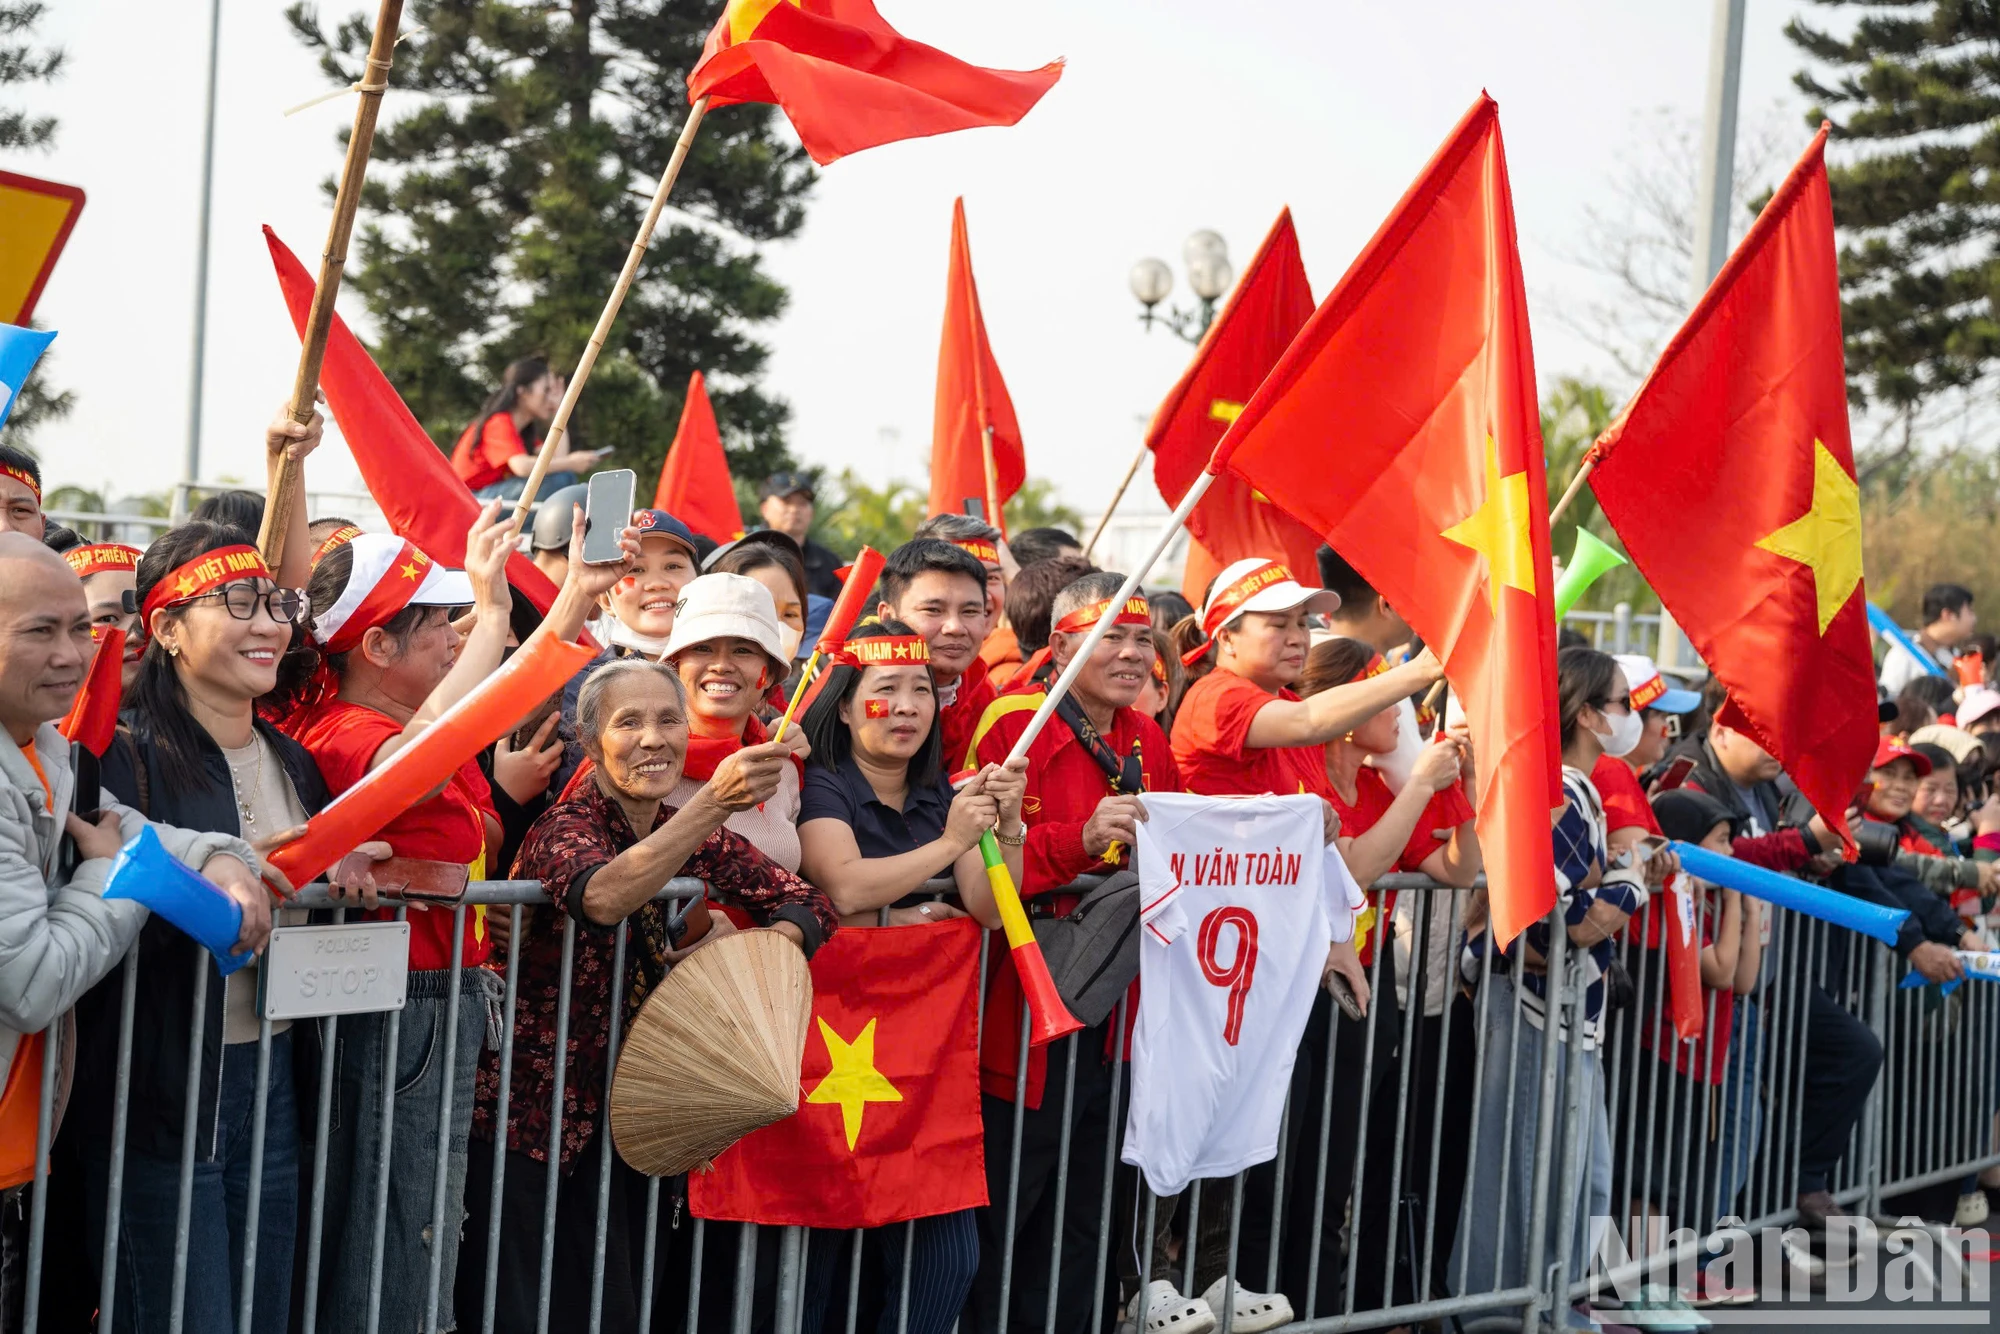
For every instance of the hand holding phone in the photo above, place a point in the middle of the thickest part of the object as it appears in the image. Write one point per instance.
(1674, 775)
(607, 510)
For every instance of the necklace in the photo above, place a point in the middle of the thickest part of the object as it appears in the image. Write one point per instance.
(245, 798)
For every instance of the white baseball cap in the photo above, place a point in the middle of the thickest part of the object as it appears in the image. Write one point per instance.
(1978, 702)
(1260, 585)
(389, 574)
(1649, 689)
(735, 606)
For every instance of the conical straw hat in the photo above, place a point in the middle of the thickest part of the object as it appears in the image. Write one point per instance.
(714, 1054)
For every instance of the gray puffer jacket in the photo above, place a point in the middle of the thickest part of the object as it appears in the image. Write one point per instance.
(59, 935)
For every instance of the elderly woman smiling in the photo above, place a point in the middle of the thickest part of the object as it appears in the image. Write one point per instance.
(602, 854)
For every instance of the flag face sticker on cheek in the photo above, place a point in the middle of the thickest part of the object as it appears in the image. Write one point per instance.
(875, 708)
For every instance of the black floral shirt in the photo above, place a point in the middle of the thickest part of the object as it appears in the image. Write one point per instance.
(569, 843)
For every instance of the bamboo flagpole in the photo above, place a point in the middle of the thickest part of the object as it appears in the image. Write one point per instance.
(552, 443)
(1116, 496)
(993, 512)
(319, 323)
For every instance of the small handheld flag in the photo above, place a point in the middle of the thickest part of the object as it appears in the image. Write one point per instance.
(860, 582)
(93, 719)
(20, 349)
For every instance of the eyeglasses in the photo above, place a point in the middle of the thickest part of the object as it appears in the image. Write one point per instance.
(286, 606)
(1622, 701)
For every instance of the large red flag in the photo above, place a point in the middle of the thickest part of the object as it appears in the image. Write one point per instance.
(1730, 479)
(694, 481)
(971, 399)
(1234, 520)
(93, 717)
(1402, 425)
(409, 477)
(848, 80)
(889, 1117)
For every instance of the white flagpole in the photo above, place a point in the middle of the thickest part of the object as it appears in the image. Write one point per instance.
(1175, 522)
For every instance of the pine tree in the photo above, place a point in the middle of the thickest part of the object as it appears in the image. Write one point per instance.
(519, 148)
(1914, 85)
(21, 61)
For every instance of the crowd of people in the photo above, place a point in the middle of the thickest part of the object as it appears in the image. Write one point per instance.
(254, 697)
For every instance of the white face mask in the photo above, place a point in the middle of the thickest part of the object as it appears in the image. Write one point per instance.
(1627, 729)
(788, 640)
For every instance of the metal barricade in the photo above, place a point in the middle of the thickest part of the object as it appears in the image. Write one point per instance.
(1408, 1137)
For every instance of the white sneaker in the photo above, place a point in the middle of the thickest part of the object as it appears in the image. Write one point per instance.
(1254, 1311)
(1167, 1312)
(1972, 1209)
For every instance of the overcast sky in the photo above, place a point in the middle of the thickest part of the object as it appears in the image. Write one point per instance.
(1173, 115)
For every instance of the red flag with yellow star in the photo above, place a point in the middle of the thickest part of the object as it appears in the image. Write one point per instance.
(1402, 425)
(1235, 521)
(1730, 478)
(694, 481)
(972, 400)
(848, 80)
(888, 1117)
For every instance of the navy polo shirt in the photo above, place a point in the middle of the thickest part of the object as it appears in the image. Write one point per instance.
(880, 830)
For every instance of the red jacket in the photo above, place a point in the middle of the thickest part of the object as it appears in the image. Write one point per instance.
(1064, 787)
(959, 720)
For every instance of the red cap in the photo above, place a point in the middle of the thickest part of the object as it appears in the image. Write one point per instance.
(1892, 748)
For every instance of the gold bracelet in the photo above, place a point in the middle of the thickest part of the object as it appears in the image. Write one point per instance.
(1010, 840)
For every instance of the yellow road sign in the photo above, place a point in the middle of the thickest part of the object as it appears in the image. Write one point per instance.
(35, 221)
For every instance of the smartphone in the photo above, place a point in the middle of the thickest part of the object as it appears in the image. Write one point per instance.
(1676, 773)
(976, 508)
(524, 735)
(606, 512)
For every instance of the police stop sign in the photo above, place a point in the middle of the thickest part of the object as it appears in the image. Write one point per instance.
(35, 220)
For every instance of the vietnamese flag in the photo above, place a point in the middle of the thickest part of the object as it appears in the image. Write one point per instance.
(1234, 520)
(1402, 425)
(93, 717)
(848, 80)
(694, 481)
(404, 470)
(888, 1116)
(971, 400)
(1730, 479)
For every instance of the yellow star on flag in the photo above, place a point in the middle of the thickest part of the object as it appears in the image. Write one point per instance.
(1826, 539)
(853, 1081)
(1222, 410)
(412, 571)
(1500, 530)
(745, 15)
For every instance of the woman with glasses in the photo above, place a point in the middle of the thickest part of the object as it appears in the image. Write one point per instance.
(1596, 893)
(193, 752)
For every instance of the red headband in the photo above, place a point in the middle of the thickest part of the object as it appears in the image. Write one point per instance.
(386, 600)
(204, 574)
(1136, 612)
(882, 651)
(24, 477)
(1225, 604)
(979, 549)
(1647, 693)
(335, 540)
(90, 560)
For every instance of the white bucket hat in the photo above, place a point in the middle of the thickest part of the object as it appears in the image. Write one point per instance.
(718, 606)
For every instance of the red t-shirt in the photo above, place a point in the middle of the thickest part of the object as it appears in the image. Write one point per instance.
(1211, 743)
(480, 456)
(450, 827)
(1624, 800)
(1444, 812)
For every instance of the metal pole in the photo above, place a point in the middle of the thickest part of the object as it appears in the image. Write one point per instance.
(201, 247)
(1711, 214)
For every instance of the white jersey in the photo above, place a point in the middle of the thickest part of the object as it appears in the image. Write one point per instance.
(1240, 899)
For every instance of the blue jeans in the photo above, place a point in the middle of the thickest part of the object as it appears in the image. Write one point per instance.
(216, 1217)
(356, 1162)
(510, 488)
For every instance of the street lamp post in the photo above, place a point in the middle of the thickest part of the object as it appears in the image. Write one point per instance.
(1206, 257)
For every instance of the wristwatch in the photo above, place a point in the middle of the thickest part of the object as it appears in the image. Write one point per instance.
(1013, 840)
